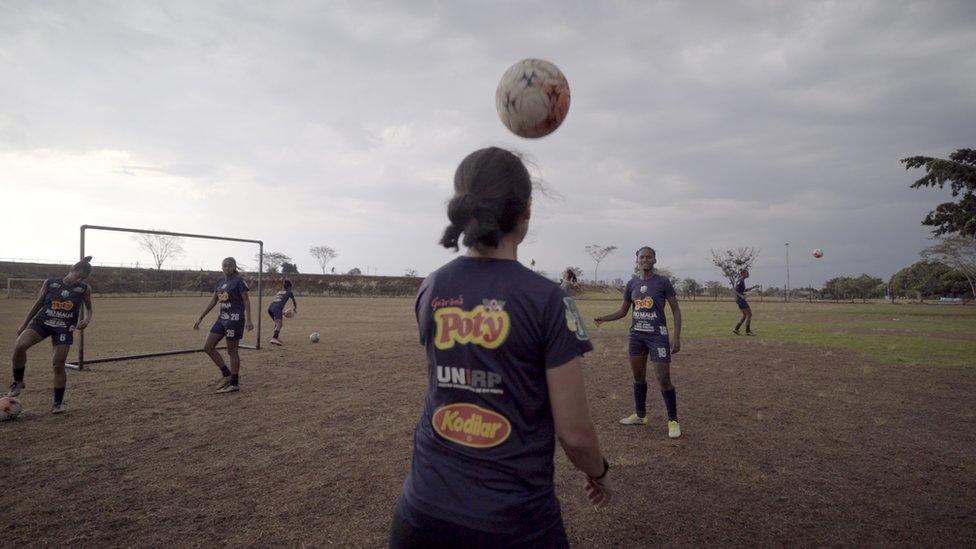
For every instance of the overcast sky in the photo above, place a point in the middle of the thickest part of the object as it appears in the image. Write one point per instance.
(341, 123)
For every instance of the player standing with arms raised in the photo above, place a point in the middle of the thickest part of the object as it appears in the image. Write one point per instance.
(57, 313)
(649, 337)
(234, 316)
(276, 310)
(504, 381)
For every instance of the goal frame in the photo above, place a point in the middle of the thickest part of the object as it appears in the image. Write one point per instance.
(10, 290)
(80, 364)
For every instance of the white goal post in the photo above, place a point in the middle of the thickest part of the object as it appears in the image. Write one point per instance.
(80, 364)
(10, 285)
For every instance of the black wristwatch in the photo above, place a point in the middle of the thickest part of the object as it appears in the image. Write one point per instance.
(606, 469)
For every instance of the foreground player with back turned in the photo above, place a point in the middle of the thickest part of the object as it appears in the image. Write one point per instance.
(646, 293)
(235, 314)
(504, 381)
(276, 310)
(55, 314)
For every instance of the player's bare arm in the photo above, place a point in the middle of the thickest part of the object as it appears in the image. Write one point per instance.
(676, 314)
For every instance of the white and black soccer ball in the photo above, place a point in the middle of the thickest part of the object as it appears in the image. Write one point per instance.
(532, 98)
(10, 408)
(314, 337)
(818, 253)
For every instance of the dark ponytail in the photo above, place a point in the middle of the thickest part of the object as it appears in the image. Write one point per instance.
(492, 188)
(83, 266)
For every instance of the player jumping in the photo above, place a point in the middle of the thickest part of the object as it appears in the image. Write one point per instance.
(277, 309)
(235, 310)
(646, 293)
(56, 313)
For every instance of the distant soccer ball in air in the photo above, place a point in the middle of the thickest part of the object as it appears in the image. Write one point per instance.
(289, 313)
(532, 98)
(818, 253)
(314, 337)
(10, 408)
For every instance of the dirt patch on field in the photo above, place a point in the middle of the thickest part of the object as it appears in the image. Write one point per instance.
(782, 443)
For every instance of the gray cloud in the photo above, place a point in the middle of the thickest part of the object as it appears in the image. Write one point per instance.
(691, 127)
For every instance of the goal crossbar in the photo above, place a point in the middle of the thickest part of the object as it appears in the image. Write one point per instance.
(10, 289)
(80, 364)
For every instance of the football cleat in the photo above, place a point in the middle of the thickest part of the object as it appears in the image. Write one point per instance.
(15, 388)
(674, 430)
(634, 419)
(228, 389)
(59, 408)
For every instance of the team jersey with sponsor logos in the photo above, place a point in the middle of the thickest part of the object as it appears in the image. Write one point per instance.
(230, 294)
(281, 299)
(740, 288)
(647, 296)
(62, 304)
(483, 448)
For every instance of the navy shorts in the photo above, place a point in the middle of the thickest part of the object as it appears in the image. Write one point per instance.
(743, 304)
(411, 529)
(58, 336)
(275, 312)
(233, 330)
(657, 347)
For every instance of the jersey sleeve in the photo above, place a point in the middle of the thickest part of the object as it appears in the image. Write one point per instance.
(668, 288)
(242, 286)
(565, 333)
(628, 290)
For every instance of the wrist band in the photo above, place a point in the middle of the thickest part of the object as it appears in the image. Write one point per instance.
(606, 469)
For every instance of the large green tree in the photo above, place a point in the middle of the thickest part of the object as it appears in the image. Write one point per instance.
(959, 172)
(928, 279)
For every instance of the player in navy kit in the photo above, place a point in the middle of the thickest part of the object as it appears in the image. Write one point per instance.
(233, 319)
(649, 338)
(276, 310)
(740, 300)
(57, 313)
(504, 381)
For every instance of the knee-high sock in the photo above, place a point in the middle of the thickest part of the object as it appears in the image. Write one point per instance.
(640, 399)
(671, 402)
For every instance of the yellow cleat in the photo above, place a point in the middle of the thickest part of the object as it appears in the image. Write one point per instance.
(634, 419)
(674, 430)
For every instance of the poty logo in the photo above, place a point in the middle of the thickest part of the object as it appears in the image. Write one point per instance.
(62, 306)
(644, 303)
(471, 425)
(223, 296)
(481, 326)
(476, 381)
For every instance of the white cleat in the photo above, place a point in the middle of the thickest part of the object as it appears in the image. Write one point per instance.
(15, 388)
(674, 430)
(275, 341)
(634, 419)
(228, 389)
(59, 408)
(223, 382)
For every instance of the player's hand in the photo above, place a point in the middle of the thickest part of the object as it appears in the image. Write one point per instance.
(598, 492)
(250, 326)
(196, 325)
(82, 324)
(676, 346)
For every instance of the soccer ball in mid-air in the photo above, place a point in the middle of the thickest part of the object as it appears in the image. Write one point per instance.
(818, 253)
(314, 337)
(532, 98)
(10, 408)
(289, 313)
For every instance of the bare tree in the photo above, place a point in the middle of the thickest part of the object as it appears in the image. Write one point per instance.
(410, 272)
(272, 261)
(731, 262)
(161, 246)
(323, 254)
(598, 252)
(958, 252)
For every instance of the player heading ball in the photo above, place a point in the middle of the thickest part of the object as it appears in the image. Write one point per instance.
(504, 380)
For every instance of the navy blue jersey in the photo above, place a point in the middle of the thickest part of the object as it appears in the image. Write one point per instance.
(62, 304)
(230, 294)
(483, 448)
(740, 287)
(647, 297)
(281, 299)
